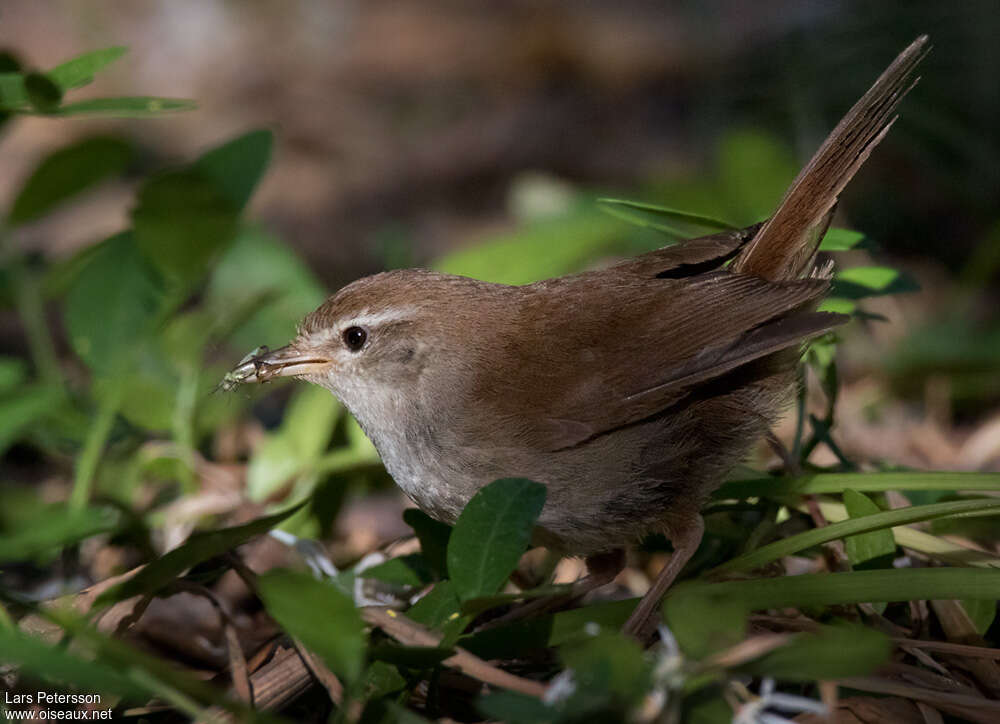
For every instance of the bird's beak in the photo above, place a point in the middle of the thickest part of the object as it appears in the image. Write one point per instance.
(263, 364)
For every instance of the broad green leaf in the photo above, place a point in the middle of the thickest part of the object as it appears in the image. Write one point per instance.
(57, 664)
(309, 420)
(156, 677)
(13, 95)
(274, 464)
(981, 613)
(257, 264)
(319, 615)
(874, 548)
(79, 71)
(112, 304)
(707, 623)
(491, 534)
(297, 445)
(433, 536)
(832, 653)
(839, 306)
(13, 371)
(53, 528)
(199, 547)
(67, 172)
(857, 526)
(832, 589)
(410, 657)
(869, 281)
(539, 251)
(381, 679)
(682, 224)
(437, 607)
(608, 662)
(43, 94)
(182, 222)
(840, 240)
(826, 483)
(410, 570)
(236, 166)
(20, 409)
(134, 107)
(515, 708)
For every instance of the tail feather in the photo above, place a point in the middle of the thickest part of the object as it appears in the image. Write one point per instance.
(786, 245)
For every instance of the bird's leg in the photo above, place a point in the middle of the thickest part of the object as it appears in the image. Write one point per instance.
(685, 539)
(601, 570)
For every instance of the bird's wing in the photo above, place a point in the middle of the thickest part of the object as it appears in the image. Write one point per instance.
(628, 364)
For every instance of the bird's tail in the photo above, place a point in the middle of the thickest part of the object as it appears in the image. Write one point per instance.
(785, 246)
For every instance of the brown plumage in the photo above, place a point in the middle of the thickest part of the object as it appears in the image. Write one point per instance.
(629, 392)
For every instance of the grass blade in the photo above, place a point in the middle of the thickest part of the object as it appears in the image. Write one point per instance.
(857, 526)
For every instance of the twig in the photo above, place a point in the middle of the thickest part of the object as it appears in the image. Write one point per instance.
(411, 633)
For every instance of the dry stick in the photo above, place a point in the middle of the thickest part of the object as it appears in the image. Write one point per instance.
(411, 633)
(971, 707)
(239, 671)
(946, 647)
(323, 675)
(746, 651)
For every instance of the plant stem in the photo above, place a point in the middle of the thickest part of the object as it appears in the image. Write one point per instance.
(31, 310)
(86, 464)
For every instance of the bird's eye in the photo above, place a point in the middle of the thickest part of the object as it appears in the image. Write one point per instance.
(354, 338)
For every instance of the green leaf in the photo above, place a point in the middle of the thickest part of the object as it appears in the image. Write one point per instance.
(874, 549)
(259, 265)
(43, 94)
(410, 570)
(841, 240)
(433, 536)
(834, 652)
(67, 172)
(23, 408)
(491, 534)
(53, 528)
(296, 447)
(80, 70)
(515, 708)
(981, 613)
(539, 251)
(438, 607)
(13, 95)
(112, 304)
(57, 664)
(706, 623)
(13, 371)
(681, 224)
(133, 107)
(182, 222)
(410, 657)
(857, 526)
(238, 165)
(870, 281)
(826, 483)
(320, 616)
(199, 547)
(608, 662)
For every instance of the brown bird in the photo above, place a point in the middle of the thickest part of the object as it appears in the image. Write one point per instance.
(629, 392)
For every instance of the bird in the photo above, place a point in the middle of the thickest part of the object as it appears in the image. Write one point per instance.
(629, 392)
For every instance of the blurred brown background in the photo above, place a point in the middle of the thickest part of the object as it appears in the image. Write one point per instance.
(405, 125)
(405, 129)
